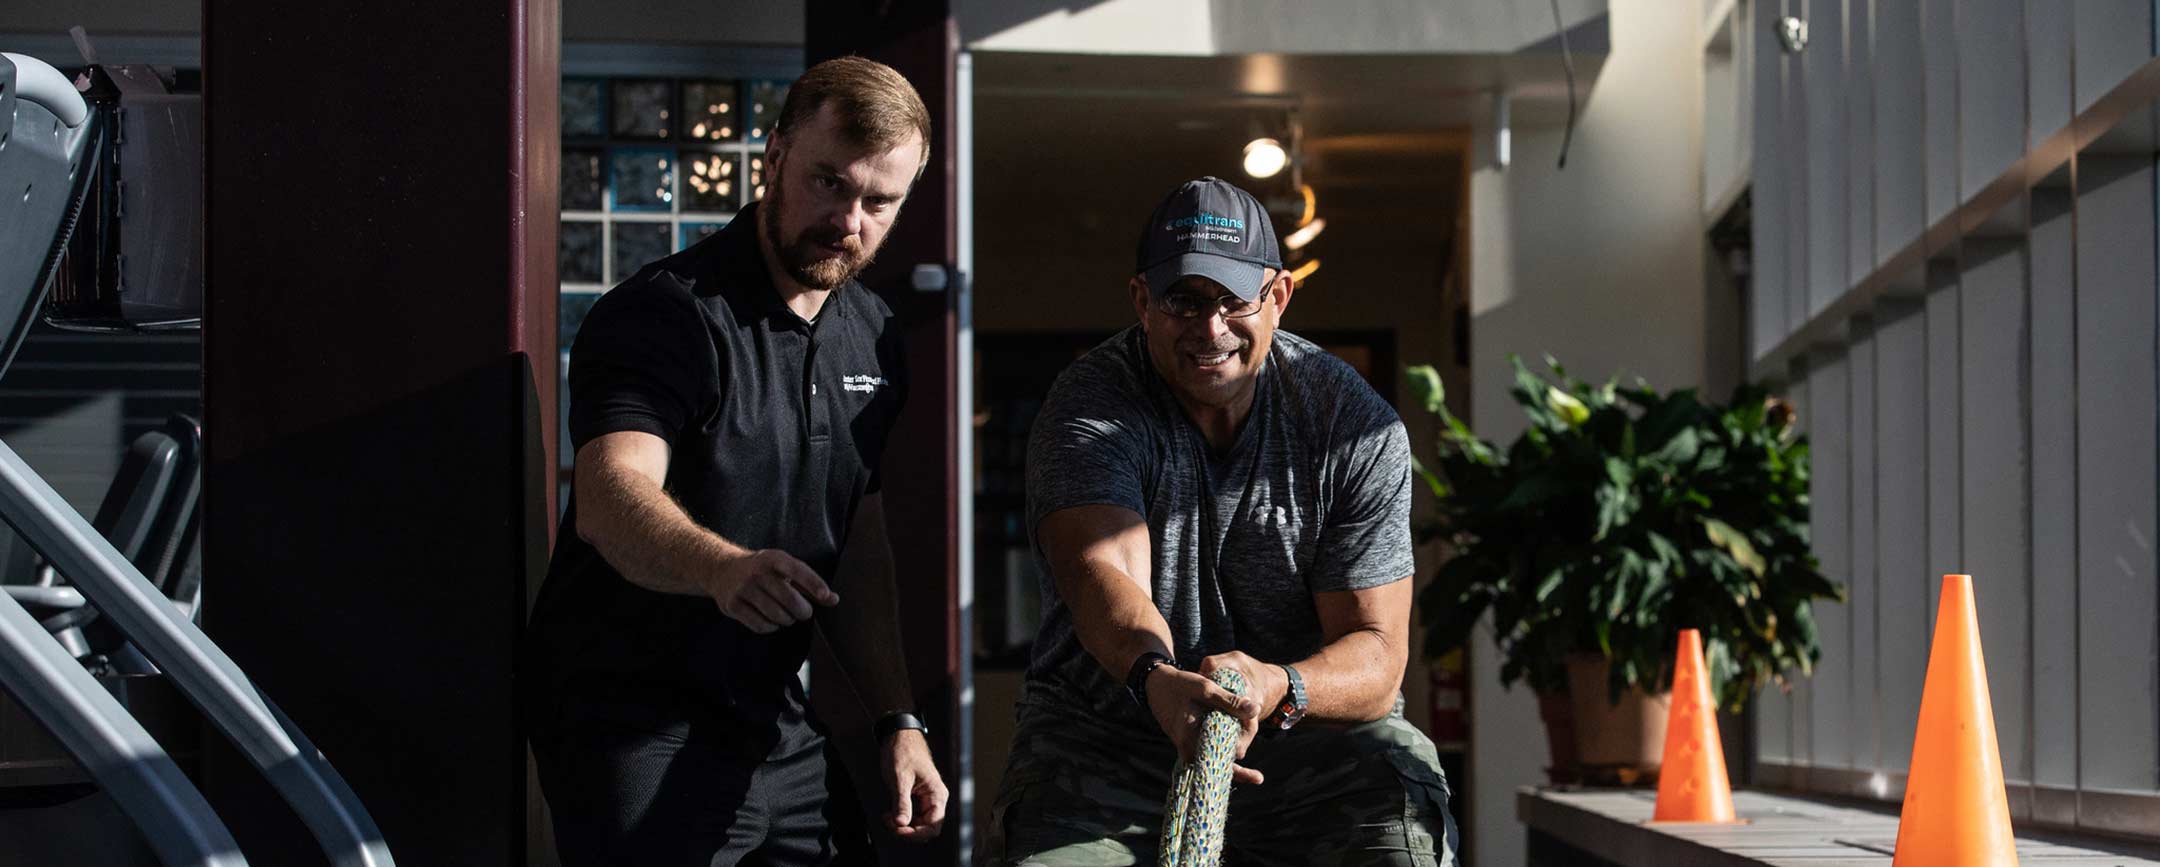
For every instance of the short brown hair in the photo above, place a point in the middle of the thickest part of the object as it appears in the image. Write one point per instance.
(878, 108)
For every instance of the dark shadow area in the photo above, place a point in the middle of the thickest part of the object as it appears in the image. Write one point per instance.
(372, 577)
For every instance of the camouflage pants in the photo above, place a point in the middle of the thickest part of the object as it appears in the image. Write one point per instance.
(1076, 794)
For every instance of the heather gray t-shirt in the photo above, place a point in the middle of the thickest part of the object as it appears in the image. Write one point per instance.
(1313, 496)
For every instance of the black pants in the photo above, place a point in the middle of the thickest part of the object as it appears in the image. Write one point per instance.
(621, 796)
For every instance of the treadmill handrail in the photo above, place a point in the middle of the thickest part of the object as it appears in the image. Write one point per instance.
(125, 760)
(295, 768)
(47, 597)
(39, 82)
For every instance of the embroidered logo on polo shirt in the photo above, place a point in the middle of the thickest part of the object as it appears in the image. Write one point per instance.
(862, 382)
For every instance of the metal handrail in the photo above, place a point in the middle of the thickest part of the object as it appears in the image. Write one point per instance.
(269, 740)
(126, 762)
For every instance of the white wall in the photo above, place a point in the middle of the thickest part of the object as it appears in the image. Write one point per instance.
(1174, 27)
(2012, 434)
(1601, 265)
(1201, 27)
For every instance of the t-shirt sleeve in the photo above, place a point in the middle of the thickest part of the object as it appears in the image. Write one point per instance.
(1086, 449)
(637, 364)
(1365, 541)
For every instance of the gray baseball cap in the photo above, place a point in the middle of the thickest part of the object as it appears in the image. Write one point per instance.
(1212, 229)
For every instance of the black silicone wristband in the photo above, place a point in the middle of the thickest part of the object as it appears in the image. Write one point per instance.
(896, 721)
(1136, 679)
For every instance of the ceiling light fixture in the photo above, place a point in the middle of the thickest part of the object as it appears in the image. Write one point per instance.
(1304, 235)
(1265, 157)
(1299, 274)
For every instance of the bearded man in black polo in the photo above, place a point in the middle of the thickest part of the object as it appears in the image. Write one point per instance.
(729, 406)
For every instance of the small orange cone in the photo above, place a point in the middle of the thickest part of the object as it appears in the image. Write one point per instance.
(1692, 786)
(1956, 811)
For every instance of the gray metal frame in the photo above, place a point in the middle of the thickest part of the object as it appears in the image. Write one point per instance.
(178, 824)
(49, 127)
(271, 742)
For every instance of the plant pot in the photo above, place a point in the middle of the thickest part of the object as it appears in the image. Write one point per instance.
(1617, 743)
(1557, 711)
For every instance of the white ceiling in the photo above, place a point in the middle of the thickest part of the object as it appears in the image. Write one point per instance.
(1084, 145)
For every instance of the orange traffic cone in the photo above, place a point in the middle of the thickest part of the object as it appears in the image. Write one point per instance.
(1692, 786)
(1956, 812)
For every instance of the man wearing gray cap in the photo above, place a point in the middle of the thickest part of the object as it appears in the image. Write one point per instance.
(1208, 493)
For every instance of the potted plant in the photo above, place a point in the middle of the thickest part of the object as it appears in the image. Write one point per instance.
(1618, 517)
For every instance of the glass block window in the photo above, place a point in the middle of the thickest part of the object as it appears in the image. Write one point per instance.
(766, 98)
(584, 108)
(709, 111)
(695, 232)
(581, 259)
(650, 166)
(643, 109)
(642, 179)
(653, 165)
(710, 180)
(583, 181)
(570, 312)
(637, 244)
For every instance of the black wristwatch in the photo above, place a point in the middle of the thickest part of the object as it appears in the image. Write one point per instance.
(1136, 679)
(1292, 708)
(894, 722)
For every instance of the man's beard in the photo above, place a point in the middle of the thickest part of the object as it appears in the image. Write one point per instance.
(805, 259)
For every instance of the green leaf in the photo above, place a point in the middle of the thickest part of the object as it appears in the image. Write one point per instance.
(1680, 449)
(1735, 543)
(1617, 515)
(1432, 480)
(1565, 406)
(1616, 504)
(1550, 583)
(1537, 489)
(1426, 387)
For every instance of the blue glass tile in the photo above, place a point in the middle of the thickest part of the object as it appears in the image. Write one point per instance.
(642, 179)
(710, 111)
(584, 108)
(709, 181)
(693, 232)
(578, 248)
(642, 108)
(570, 310)
(766, 98)
(753, 185)
(583, 180)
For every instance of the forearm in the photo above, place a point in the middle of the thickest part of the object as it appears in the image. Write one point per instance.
(1354, 678)
(864, 630)
(1115, 620)
(645, 534)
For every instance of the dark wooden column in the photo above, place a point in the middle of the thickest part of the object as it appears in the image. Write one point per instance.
(921, 464)
(379, 365)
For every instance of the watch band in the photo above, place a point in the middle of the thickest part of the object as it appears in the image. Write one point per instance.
(898, 720)
(1136, 677)
(1292, 708)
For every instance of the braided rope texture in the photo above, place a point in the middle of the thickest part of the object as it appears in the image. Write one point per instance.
(1199, 802)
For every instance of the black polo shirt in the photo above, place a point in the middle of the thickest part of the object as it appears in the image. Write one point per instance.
(776, 427)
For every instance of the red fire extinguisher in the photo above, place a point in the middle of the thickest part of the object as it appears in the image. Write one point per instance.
(1450, 725)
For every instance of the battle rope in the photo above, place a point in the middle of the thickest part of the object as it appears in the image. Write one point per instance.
(1193, 816)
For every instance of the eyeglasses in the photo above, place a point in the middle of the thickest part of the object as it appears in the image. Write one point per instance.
(1192, 305)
